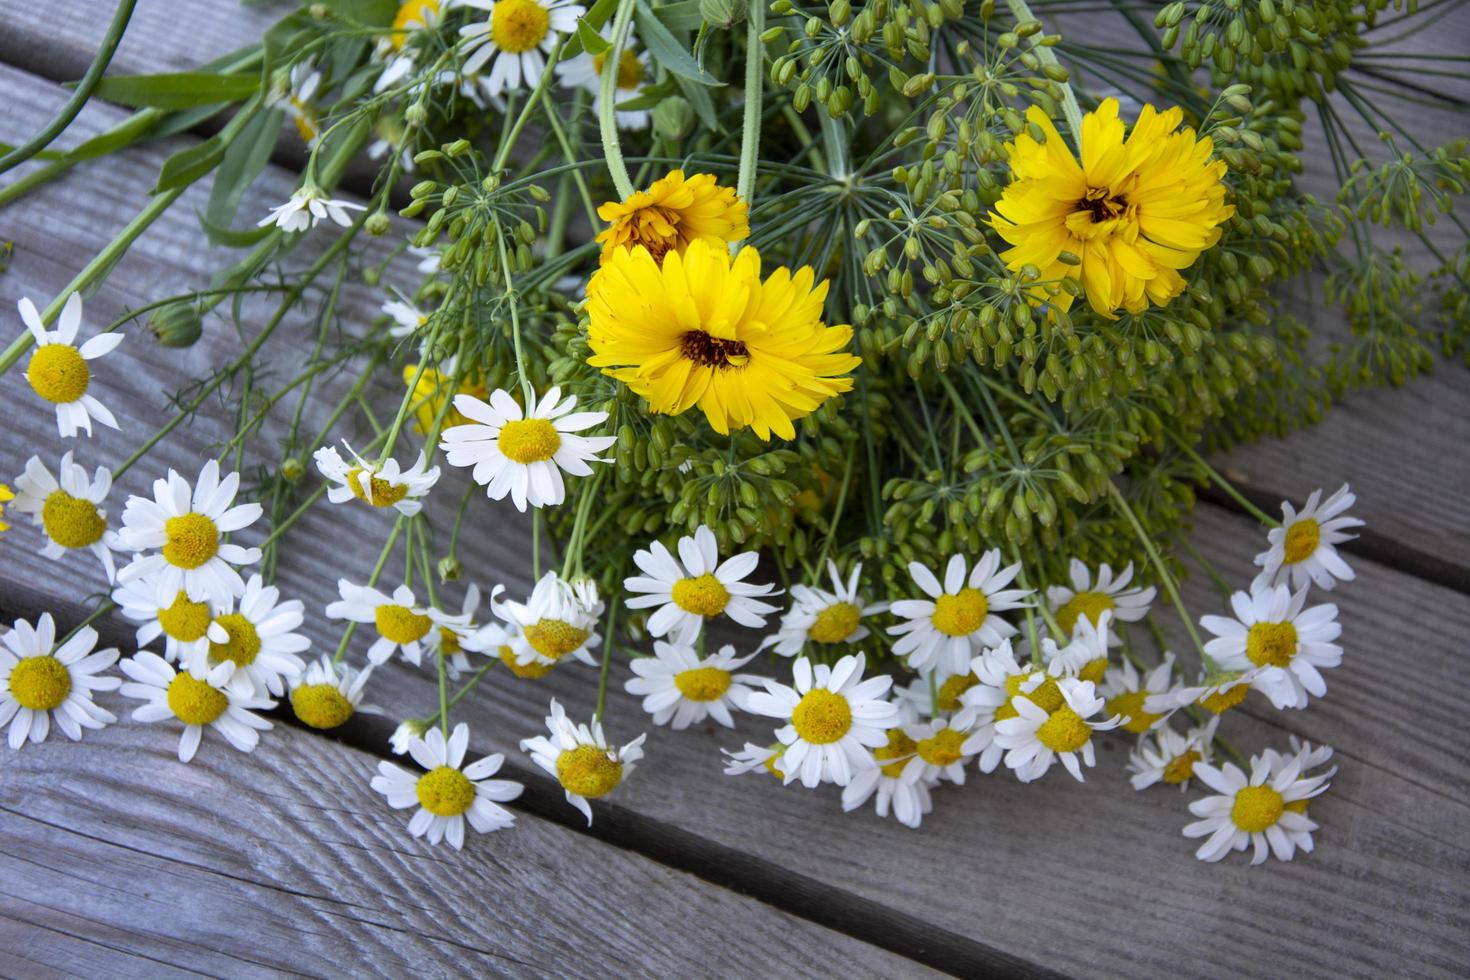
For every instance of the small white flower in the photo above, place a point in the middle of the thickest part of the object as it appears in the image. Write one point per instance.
(943, 632)
(580, 758)
(405, 733)
(1216, 693)
(413, 17)
(892, 782)
(452, 637)
(753, 757)
(680, 688)
(585, 72)
(1002, 679)
(700, 588)
(1037, 737)
(402, 624)
(377, 486)
(59, 371)
(819, 616)
(1271, 630)
(447, 795)
(521, 33)
(42, 684)
(189, 528)
(68, 509)
(295, 99)
(306, 208)
(939, 751)
(1265, 811)
(1086, 654)
(559, 620)
(407, 318)
(1304, 548)
(1087, 599)
(198, 700)
(328, 694)
(182, 622)
(1169, 757)
(260, 639)
(1127, 693)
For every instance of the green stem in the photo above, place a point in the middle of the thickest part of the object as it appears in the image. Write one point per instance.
(372, 581)
(1047, 56)
(1224, 484)
(612, 625)
(607, 122)
(750, 132)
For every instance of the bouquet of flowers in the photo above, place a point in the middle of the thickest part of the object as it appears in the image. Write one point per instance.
(855, 363)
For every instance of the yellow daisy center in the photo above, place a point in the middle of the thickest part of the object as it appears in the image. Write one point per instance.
(40, 683)
(588, 771)
(445, 792)
(630, 68)
(1094, 670)
(703, 683)
(713, 352)
(822, 716)
(385, 494)
(449, 641)
(770, 764)
(185, 621)
(528, 441)
(1301, 541)
(305, 119)
(519, 25)
(1100, 204)
(243, 644)
(942, 748)
(1297, 806)
(962, 613)
(703, 595)
(895, 755)
(950, 690)
(1129, 704)
(1064, 731)
(1256, 808)
(401, 624)
(321, 705)
(72, 522)
(195, 702)
(532, 670)
(193, 539)
(554, 638)
(1047, 696)
(1219, 702)
(835, 623)
(1271, 644)
(1181, 767)
(58, 373)
(1088, 605)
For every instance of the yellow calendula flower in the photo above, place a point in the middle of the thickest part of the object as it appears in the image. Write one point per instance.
(703, 329)
(1134, 210)
(673, 212)
(429, 394)
(6, 495)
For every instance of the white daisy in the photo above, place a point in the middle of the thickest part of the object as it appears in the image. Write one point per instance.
(260, 639)
(888, 779)
(327, 694)
(1037, 737)
(68, 509)
(296, 97)
(1304, 548)
(680, 688)
(405, 733)
(1273, 631)
(1001, 679)
(700, 588)
(198, 700)
(1127, 693)
(402, 624)
(495, 640)
(377, 486)
(42, 684)
(581, 759)
(1086, 653)
(451, 640)
(189, 528)
(447, 795)
(1265, 811)
(412, 17)
(585, 72)
(920, 699)
(819, 616)
(182, 622)
(1165, 756)
(834, 718)
(59, 372)
(521, 33)
(753, 757)
(1217, 693)
(939, 751)
(307, 207)
(1087, 599)
(944, 631)
(559, 620)
(407, 318)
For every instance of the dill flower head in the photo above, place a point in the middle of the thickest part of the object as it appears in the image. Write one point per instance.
(1134, 210)
(673, 212)
(703, 329)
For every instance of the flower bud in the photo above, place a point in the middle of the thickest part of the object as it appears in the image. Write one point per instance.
(176, 325)
(722, 13)
(291, 469)
(673, 118)
(377, 224)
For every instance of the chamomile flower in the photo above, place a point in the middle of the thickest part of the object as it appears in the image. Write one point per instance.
(1217, 693)
(834, 718)
(407, 318)
(199, 700)
(892, 783)
(1087, 598)
(1001, 679)
(1165, 756)
(518, 34)
(1127, 693)
(188, 528)
(1272, 630)
(753, 757)
(495, 639)
(1263, 810)
(170, 613)
(413, 17)
(59, 371)
(680, 688)
(296, 99)
(559, 620)
(819, 616)
(68, 509)
(585, 72)
(405, 733)
(1087, 653)
(374, 485)
(447, 795)
(42, 684)
(939, 751)
(581, 759)
(523, 454)
(307, 207)
(402, 624)
(944, 632)
(450, 640)
(921, 699)
(327, 694)
(695, 587)
(1038, 736)
(1304, 548)
(259, 638)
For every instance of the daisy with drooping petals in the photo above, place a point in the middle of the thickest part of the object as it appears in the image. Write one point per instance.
(1127, 693)
(585, 72)
(1087, 653)
(450, 641)
(400, 621)
(920, 700)
(581, 759)
(259, 638)
(1165, 756)
(1134, 211)
(182, 622)
(1037, 737)
(944, 632)
(377, 486)
(42, 684)
(559, 620)
(203, 700)
(680, 688)
(523, 454)
(494, 640)
(888, 781)
(673, 212)
(307, 207)
(834, 718)
(1304, 548)
(406, 317)
(1217, 693)
(1263, 811)
(704, 329)
(446, 795)
(753, 757)
(58, 371)
(1087, 600)
(518, 34)
(295, 98)
(939, 751)
(68, 509)
(188, 528)
(328, 694)
(819, 616)
(695, 587)
(1271, 630)
(1001, 680)
(413, 16)
(406, 732)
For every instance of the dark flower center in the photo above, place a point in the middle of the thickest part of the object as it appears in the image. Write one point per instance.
(707, 351)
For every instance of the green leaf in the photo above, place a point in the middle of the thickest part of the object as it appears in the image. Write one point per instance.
(369, 13)
(246, 157)
(188, 165)
(177, 91)
(682, 16)
(232, 238)
(667, 51)
(698, 96)
(592, 42)
(600, 13)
